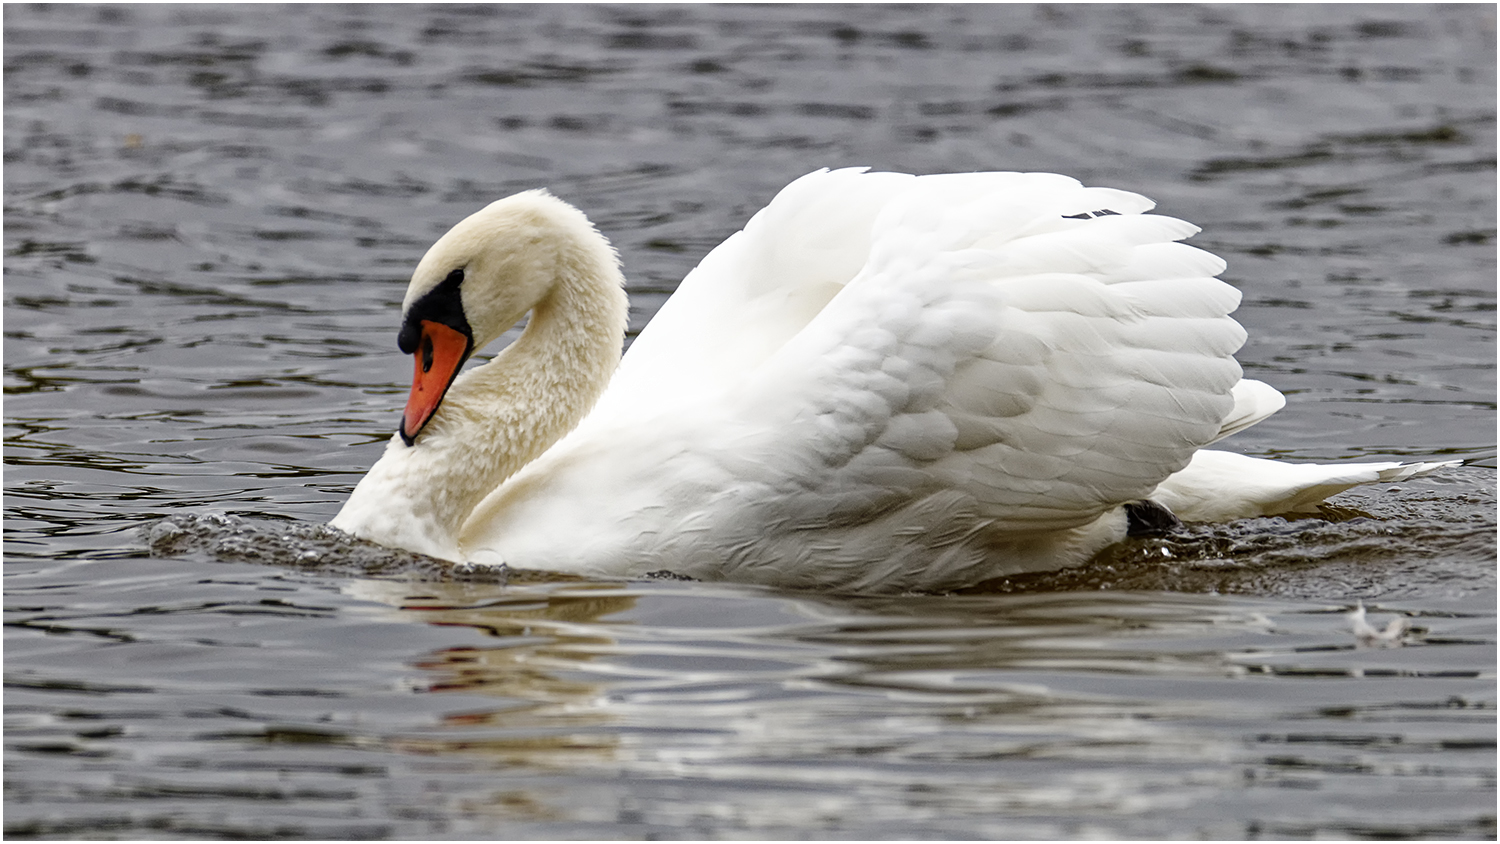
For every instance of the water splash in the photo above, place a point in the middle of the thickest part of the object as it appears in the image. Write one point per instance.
(1389, 545)
(300, 545)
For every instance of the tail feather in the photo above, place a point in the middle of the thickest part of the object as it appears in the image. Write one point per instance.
(1222, 486)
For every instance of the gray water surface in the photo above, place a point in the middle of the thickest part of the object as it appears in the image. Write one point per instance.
(210, 215)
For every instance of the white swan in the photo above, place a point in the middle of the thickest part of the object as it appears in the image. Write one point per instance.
(883, 382)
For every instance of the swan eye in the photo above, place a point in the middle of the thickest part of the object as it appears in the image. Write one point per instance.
(455, 277)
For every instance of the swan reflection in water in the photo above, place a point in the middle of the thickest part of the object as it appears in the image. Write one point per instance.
(552, 711)
(823, 701)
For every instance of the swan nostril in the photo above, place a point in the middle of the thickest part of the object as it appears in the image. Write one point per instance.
(426, 353)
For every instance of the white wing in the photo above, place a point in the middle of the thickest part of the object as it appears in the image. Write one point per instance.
(1047, 366)
(881, 359)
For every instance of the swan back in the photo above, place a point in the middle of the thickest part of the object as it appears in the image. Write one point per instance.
(755, 291)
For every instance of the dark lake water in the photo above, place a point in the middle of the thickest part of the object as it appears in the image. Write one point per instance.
(210, 216)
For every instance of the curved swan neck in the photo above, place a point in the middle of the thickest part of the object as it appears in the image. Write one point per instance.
(544, 383)
(500, 416)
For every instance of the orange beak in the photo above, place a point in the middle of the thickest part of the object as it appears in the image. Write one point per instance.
(439, 355)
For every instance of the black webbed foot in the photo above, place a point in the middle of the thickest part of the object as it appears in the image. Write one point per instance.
(1148, 518)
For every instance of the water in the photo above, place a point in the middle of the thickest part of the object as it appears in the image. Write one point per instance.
(210, 215)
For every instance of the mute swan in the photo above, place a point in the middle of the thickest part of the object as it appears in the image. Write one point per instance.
(884, 382)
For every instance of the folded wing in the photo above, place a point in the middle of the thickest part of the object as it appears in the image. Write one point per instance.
(887, 367)
(1046, 349)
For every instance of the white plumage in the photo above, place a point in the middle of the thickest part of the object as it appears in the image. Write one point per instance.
(883, 382)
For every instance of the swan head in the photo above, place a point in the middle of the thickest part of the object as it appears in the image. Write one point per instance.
(480, 279)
